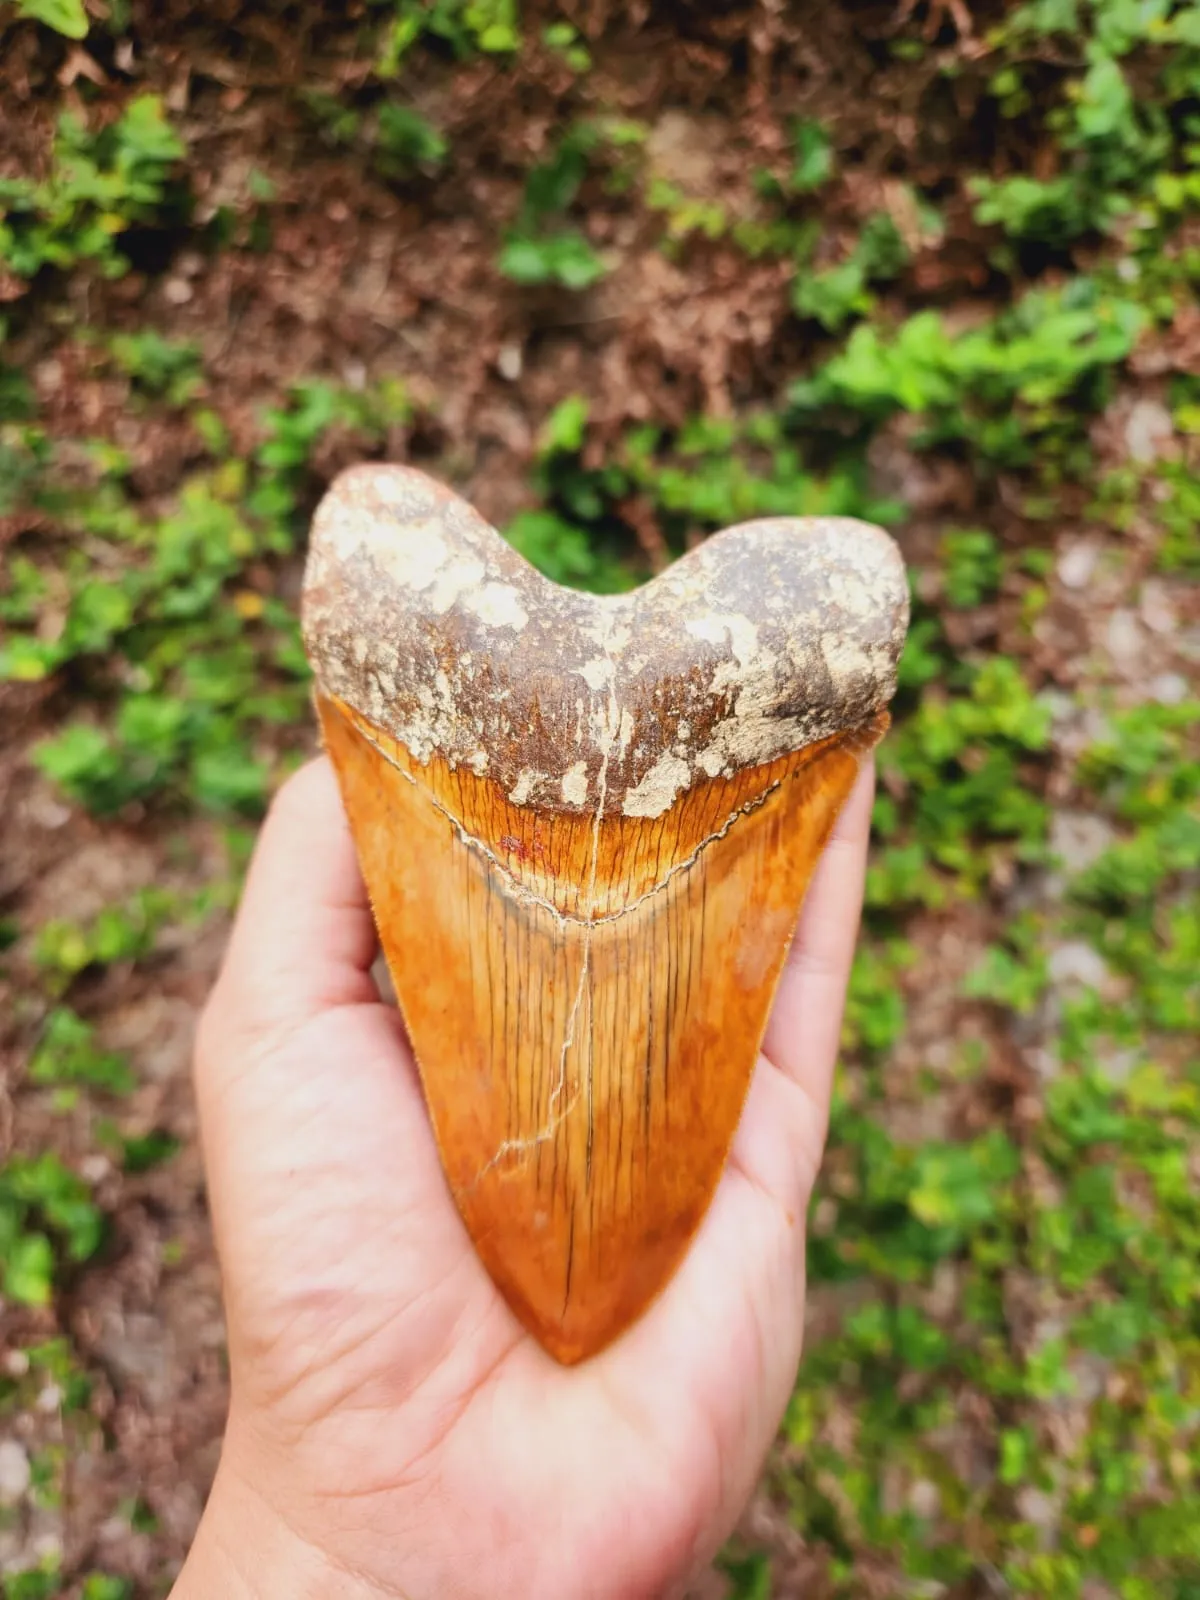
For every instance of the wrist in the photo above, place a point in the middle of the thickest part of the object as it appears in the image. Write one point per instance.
(245, 1550)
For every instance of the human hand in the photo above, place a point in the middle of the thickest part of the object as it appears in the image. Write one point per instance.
(393, 1430)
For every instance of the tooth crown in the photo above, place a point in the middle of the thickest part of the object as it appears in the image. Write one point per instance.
(587, 826)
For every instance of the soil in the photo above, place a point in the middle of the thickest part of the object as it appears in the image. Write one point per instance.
(361, 278)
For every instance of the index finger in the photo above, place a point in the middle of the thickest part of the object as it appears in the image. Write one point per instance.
(805, 1026)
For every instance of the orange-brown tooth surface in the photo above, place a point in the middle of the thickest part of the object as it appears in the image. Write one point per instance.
(587, 826)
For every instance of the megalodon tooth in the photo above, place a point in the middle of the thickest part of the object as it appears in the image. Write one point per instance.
(586, 825)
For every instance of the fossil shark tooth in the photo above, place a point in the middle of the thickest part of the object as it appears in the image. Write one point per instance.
(587, 825)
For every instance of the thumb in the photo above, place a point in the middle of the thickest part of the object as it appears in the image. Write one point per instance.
(276, 1079)
(323, 1175)
(303, 941)
(294, 1048)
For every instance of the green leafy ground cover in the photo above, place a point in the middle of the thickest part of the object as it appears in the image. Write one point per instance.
(865, 264)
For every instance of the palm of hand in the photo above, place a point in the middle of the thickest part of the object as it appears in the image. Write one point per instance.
(386, 1403)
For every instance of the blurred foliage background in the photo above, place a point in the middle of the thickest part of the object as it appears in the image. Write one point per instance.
(624, 274)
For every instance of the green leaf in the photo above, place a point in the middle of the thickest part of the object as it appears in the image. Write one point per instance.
(749, 1576)
(228, 778)
(146, 135)
(814, 157)
(1105, 99)
(140, 1154)
(565, 553)
(832, 297)
(1048, 16)
(29, 1270)
(43, 1582)
(81, 760)
(972, 566)
(564, 258)
(407, 140)
(958, 1187)
(565, 427)
(499, 37)
(101, 1586)
(67, 17)
(66, 1054)
(552, 185)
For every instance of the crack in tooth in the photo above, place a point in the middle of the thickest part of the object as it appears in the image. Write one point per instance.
(589, 922)
(524, 1146)
(613, 729)
(531, 1141)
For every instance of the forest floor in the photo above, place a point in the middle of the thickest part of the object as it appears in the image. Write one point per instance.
(624, 274)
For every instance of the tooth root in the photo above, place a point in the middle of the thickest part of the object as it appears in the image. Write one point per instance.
(585, 997)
